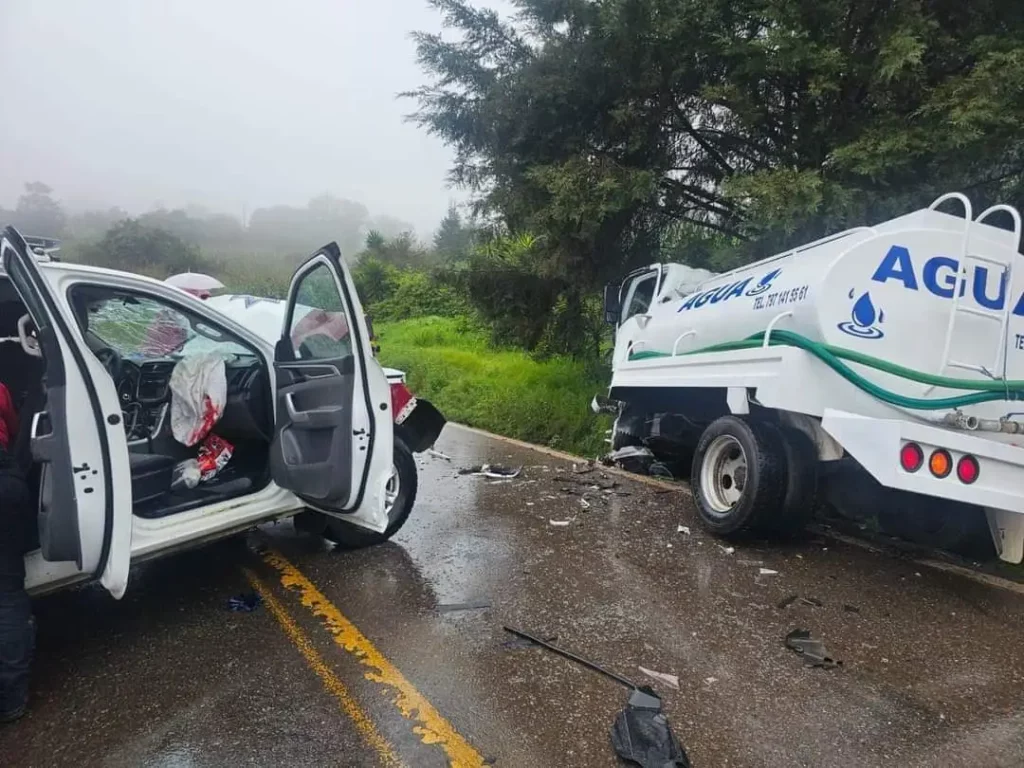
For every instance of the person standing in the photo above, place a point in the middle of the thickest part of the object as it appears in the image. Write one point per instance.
(17, 629)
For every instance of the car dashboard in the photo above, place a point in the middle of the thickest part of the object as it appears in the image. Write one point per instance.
(144, 391)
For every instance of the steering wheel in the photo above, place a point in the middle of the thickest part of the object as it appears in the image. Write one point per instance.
(111, 361)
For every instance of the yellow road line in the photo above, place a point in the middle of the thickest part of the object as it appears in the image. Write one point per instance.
(430, 725)
(331, 682)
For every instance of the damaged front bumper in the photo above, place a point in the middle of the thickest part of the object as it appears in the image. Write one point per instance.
(602, 404)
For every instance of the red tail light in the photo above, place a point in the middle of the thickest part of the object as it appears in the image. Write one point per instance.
(911, 457)
(402, 402)
(968, 469)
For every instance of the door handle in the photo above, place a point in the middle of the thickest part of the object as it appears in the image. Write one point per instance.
(37, 421)
(325, 417)
(294, 414)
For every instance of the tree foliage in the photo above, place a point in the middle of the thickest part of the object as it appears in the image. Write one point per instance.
(453, 238)
(37, 213)
(132, 246)
(619, 129)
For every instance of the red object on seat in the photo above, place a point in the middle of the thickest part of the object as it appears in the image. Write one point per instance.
(8, 417)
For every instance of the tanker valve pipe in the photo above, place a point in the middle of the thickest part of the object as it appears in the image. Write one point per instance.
(771, 326)
(1005, 425)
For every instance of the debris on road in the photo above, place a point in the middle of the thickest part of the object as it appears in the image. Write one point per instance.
(582, 469)
(632, 458)
(559, 523)
(494, 471)
(244, 603)
(521, 643)
(672, 681)
(658, 469)
(683, 529)
(727, 550)
(438, 455)
(767, 572)
(584, 503)
(851, 609)
(751, 563)
(572, 657)
(812, 649)
(470, 605)
(641, 734)
(812, 601)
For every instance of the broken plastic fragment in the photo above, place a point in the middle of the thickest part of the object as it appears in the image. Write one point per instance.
(641, 734)
(245, 603)
(670, 680)
(727, 550)
(438, 454)
(559, 523)
(768, 572)
(683, 529)
(584, 503)
(496, 471)
(812, 649)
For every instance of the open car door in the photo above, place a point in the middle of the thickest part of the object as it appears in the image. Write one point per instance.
(76, 436)
(333, 438)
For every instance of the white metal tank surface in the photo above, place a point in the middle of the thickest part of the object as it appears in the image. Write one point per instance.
(886, 291)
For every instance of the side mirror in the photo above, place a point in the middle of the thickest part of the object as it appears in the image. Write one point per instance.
(612, 310)
(369, 327)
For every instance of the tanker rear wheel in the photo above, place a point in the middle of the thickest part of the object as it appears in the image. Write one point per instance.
(739, 476)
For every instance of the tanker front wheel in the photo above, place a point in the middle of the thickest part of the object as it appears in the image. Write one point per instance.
(739, 476)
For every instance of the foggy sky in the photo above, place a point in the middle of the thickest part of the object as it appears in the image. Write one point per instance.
(226, 104)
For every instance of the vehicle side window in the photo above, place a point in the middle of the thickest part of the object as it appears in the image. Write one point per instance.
(640, 297)
(319, 329)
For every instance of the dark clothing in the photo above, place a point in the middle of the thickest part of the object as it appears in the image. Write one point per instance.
(17, 631)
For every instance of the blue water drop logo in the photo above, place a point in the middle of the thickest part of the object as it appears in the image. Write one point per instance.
(864, 311)
(765, 283)
(863, 317)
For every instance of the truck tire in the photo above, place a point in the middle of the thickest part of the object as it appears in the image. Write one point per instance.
(801, 484)
(403, 484)
(738, 476)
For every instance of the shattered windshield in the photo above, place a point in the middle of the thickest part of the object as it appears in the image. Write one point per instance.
(140, 328)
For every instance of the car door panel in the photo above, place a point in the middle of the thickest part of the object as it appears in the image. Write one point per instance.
(331, 446)
(77, 438)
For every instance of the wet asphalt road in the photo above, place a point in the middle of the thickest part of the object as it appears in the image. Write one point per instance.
(933, 663)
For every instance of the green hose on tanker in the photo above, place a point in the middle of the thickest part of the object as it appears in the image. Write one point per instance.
(988, 391)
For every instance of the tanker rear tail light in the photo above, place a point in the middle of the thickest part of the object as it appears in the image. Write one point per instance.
(968, 469)
(940, 463)
(911, 457)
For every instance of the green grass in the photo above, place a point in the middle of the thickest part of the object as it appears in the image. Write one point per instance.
(508, 392)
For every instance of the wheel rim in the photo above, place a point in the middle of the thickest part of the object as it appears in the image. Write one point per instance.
(723, 474)
(391, 491)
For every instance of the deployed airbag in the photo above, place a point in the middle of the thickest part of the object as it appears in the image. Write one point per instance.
(199, 391)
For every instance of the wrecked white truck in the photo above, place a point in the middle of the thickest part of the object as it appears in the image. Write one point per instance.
(151, 421)
(896, 348)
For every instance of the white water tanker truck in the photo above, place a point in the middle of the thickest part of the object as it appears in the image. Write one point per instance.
(899, 346)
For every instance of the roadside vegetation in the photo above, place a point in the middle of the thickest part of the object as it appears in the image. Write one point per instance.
(506, 391)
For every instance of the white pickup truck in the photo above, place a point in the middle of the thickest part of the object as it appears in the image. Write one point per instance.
(316, 426)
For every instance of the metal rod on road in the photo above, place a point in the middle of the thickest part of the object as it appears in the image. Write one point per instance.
(572, 657)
